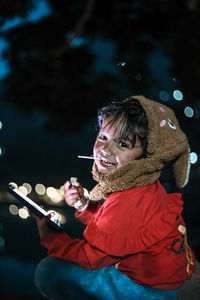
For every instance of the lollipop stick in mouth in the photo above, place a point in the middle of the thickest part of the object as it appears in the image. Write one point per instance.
(87, 157)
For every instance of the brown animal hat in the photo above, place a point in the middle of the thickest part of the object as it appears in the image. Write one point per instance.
(166, 142)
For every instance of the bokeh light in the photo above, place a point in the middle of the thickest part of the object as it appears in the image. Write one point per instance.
(2, 150)
(62, 219)
(23, 212)
(58, 197)
(178, 95)
(189, 112)
(40, 189)
(193, 157)
(51, 192)
(13, 209)
(14, 184)
(23, 189)
(62, 190)
(121, 64)
(28, 187)
(1, 125)
(164, 96)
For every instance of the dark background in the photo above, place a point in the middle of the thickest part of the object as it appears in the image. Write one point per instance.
(59, 62)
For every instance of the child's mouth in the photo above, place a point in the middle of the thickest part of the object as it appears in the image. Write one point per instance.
(105, 162)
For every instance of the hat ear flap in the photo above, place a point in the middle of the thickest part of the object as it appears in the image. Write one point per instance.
(181, 168)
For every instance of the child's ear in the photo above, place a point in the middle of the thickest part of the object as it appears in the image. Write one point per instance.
(181, 168)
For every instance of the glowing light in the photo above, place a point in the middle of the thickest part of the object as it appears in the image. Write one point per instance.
(193, 157)
(51, 192)
(13, 209)
(28, 187)
(57, 198)
(2, 150)
(178, 95)
(40, 189)
(0, 125)
(14, 184)
(62, 219)
(23, 190)
(76, 42)
(23, 213)
(121, 64)
(164, 96)
(189, 112)
(62, 190)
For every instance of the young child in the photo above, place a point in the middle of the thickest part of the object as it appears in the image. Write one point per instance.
(135, 242)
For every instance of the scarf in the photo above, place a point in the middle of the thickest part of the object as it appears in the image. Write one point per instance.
(126, 177)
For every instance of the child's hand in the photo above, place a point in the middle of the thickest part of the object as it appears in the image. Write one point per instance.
(74, 194)
(42, 224)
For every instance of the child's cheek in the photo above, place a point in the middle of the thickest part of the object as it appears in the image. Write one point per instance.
(95, 148)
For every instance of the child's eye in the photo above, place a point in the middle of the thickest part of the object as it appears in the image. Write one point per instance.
(102, 137)
(122, 144)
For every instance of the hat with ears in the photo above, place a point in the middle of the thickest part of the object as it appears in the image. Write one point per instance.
(166, 141)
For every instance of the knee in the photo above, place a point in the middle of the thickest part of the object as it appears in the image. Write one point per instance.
(45, 271)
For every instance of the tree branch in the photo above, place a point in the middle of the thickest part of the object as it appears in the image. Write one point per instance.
(78, 28)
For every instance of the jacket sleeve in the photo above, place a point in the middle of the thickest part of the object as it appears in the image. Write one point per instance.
(77, 251)
(86, 252)
(87, 214)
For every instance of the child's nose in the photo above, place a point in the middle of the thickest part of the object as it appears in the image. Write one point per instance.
(107, 149)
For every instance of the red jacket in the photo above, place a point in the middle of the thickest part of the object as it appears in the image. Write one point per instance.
(140, 231)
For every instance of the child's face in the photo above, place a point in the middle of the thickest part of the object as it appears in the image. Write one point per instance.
(110, 151)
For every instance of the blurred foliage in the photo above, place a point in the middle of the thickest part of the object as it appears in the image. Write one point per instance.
(9, 9)
(51, 72)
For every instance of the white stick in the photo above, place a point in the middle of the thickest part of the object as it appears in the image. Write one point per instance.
(87, 157)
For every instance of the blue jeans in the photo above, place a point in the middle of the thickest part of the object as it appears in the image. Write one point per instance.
(60, 280)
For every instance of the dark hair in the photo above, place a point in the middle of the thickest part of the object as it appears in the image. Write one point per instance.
(133, 118)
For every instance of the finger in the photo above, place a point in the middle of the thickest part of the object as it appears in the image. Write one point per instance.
(71, 194)
(70, 199)
(77, 184)
(67, 185)
(32, 214)
(44, 220)
(81, 191)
